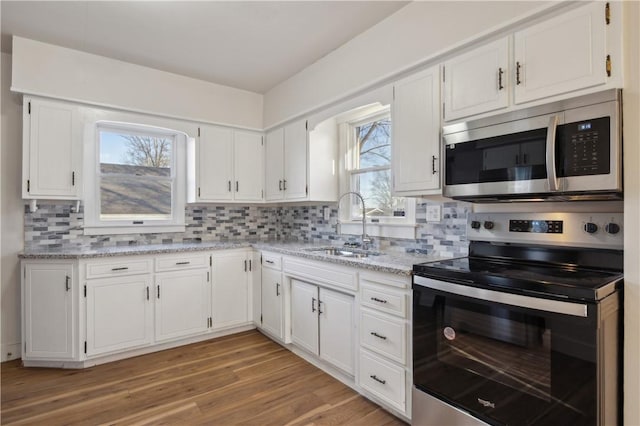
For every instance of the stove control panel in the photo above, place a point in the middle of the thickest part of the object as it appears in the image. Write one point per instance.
(536, 226)
(598, 230)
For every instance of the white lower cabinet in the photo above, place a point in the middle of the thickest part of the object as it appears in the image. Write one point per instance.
(48, 310)
(230, 289)
(272, 297)
(322, 323)
(383, 379)
(182, 304)
(119, 314)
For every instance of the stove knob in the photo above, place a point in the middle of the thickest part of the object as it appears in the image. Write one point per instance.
(475, 224)
(488, 224)
(590, 228)
(612, 228)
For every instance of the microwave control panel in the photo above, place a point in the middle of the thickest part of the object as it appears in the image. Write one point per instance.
(585, 146)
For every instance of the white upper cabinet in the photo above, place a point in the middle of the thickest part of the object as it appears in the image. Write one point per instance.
(476, 82)
(571, 53)
(562, 54)
(416, 134)
(300, 165)
(229, 165)
(52, 144)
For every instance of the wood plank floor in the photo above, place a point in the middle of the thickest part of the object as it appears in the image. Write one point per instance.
(240, 379)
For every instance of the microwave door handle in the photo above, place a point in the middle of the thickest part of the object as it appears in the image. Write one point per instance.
(551, 154)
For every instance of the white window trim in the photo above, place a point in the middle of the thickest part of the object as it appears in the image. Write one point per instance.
(93, 224)
(389, 227)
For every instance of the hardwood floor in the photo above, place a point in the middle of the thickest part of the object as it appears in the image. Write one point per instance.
(240, 379)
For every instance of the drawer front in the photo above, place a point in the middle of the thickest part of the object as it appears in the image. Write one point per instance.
(272, 261)
(385, 300)
(383, 379)
(322, 272)
(116, 266)
(178, 262)
(386, 336)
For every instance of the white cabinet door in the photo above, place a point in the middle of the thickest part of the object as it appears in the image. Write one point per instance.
(230, 290)
(304, 315)
(255, 295)
(47, 295)
(336, 329)
(295, 160)
(247, 160)
(476, 82)
(562, 54)
(119, 314)
(416, 133)
(215, 164)
(272, 303)
(52, 141)
(274, 165)
(182, 304)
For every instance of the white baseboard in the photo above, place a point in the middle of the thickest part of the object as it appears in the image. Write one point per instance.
(10, 351)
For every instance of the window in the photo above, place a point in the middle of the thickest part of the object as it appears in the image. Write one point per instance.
(136, 179)
(369, 172)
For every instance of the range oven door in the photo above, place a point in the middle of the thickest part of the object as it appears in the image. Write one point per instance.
(505, 358)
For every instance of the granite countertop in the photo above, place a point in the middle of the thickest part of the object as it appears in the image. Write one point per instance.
(395, 262)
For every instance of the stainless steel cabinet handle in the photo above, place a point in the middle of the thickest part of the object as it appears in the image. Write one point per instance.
(433, 164)
(147, 292)
(250, 268)
(229, 186)
(313, 304)
(67, 283)
(277, 289)
(237, 186)
(500, 72)
(375, 299)
(245, 266)
(158, 292)
(279, 185)
(271, 262)
(373, 333)
(320, 311)
(123, 268)
(518, 66)
(284, 185)
(182, 263)
(374, 377)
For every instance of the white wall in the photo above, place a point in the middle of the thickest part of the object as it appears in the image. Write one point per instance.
(11, 215)
(417, 32)
(48, 70)
(631, 102)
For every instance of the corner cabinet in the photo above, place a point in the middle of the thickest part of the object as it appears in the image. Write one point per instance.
(300, 165)
(573, 52)
(416, 155)
(49, 311)
(52, 150)
(229, 165)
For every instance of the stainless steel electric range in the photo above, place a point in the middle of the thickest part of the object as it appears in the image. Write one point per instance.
(526, 329)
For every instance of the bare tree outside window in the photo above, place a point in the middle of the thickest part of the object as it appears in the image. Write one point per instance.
(147, 151)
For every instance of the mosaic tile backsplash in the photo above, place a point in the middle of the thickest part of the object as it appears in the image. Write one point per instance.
(56, 225)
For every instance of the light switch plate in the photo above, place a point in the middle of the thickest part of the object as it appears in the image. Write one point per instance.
(327, 213)
(434, 213)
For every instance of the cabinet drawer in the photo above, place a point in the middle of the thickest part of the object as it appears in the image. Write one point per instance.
(272, 261)
(383, 299)
(386, 336)
(118, 266)
(177, 262)
(383, 379)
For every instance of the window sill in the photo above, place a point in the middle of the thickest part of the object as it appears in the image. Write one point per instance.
(117, 230)
(387, 230)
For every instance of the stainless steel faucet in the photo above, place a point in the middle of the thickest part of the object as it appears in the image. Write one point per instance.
(365, 238)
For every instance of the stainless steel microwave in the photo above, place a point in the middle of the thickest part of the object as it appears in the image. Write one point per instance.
(566, 150)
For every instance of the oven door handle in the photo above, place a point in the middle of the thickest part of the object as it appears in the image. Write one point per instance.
(540, 304)
(552, 176)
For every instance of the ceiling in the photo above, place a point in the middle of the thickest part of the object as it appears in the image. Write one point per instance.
(251, 45)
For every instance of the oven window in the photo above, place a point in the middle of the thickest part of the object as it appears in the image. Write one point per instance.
(493, 342)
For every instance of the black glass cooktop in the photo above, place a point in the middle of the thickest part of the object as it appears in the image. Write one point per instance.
(546, 279)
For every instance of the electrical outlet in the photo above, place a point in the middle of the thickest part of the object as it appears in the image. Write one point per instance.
(434, 213)
(327, 213)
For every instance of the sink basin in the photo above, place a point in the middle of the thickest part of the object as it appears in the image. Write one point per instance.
(335, 251)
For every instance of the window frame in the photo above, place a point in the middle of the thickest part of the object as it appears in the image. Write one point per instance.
(349, 123)
(94, 224)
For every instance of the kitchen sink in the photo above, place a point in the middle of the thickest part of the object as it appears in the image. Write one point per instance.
(336, 251)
